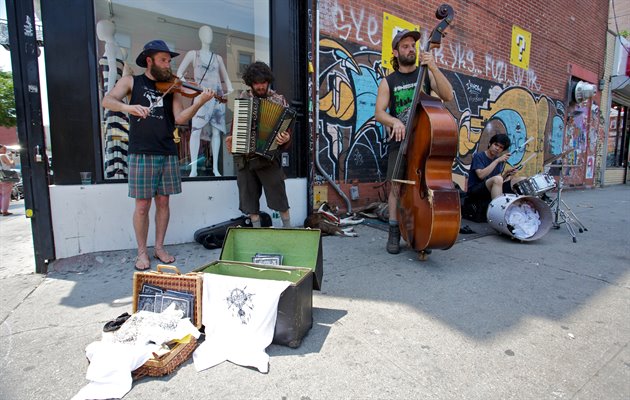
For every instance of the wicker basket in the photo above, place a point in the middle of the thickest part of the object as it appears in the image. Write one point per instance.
(191, 282)
(167, 363)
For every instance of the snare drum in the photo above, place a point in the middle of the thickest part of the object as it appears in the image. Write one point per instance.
(535, 185)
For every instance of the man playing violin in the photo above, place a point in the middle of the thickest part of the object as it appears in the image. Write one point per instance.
(254, 172)
(393, 101)
(153, 160)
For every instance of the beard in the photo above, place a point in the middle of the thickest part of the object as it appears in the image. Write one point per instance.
(161, 74)
(408, 60)
(260, 92)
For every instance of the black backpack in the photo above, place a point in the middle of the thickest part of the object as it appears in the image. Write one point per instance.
(212, 237)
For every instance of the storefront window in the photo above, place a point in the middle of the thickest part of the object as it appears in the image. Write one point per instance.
(215, 39)
(615, 136)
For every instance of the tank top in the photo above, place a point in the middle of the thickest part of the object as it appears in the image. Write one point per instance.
(402, 87)
(154, 134)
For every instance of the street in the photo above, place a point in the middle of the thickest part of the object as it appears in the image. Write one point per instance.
(491, 318)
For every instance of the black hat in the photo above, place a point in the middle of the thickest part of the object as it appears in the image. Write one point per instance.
(154, 46)
(403, 34)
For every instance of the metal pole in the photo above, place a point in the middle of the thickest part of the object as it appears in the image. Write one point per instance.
(24, 53)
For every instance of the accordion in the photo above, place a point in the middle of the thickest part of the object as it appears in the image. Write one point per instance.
(256, 124)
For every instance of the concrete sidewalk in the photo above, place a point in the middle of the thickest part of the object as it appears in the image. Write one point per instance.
(491, 318)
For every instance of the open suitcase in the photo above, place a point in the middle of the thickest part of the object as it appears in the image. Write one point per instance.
(302, 265)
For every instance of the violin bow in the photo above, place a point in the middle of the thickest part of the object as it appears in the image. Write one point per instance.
(153, 103)
(162, 96)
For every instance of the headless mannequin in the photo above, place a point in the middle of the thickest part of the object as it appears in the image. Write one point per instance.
(105, 31)
(116, 123)
(210, 72)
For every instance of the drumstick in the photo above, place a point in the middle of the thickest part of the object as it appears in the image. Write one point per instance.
(521, 147)
(520, 166)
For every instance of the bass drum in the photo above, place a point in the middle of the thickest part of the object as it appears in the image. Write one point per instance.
(525, 218)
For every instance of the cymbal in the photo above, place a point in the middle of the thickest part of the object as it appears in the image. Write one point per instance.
(554, 158)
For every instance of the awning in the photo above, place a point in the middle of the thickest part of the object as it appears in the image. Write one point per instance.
(620, 89)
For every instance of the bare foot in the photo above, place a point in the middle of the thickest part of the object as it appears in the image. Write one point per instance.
(162, 255)
(142, 262)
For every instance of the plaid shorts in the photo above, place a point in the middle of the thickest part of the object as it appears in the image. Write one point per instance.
(151, 174)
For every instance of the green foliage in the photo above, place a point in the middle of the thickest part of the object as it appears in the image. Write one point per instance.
(624, 34)
(7, 100)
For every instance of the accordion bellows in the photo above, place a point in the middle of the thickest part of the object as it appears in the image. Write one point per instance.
(256, 124)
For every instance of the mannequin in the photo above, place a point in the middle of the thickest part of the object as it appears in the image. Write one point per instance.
(116, 124)
(210, 72)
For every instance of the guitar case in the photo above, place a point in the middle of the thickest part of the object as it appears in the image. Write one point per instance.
(212, 237)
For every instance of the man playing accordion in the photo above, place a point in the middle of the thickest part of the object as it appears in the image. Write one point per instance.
(255, 172)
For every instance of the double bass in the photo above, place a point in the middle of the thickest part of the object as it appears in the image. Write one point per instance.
(428, 204)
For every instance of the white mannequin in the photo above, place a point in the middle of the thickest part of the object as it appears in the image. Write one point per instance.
(105, 30)
(116, 137)
(210, 72)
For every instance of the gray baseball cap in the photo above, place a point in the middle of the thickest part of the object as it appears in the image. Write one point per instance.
(403, 34)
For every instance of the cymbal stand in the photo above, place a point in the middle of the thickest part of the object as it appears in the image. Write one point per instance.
(562, 212)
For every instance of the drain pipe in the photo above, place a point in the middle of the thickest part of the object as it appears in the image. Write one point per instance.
(319, 167)
(328, 177)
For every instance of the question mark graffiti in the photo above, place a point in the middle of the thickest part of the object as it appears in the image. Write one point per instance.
(520, 42)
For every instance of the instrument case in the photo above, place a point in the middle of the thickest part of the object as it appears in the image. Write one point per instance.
(302, 265)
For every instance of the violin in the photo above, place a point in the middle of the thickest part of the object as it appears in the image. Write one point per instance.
(186, 89)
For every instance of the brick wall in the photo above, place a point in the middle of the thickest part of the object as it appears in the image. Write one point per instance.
(562, 32)
(475, 55)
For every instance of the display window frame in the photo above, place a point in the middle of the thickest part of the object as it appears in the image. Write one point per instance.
(182, 25)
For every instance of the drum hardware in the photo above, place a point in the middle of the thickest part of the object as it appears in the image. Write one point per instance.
(562, 211)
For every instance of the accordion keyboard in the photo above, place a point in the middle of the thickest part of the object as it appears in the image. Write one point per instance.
(242, 126)
(256, 124)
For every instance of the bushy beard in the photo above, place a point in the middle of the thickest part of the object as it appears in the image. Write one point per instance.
(161, 74)
(407, 60)
(261, 92)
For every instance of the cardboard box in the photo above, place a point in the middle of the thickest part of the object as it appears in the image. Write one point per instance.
(302, 265)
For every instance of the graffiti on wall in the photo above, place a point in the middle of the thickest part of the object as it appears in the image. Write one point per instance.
(484, 108)
(352, 145)
(351, 24)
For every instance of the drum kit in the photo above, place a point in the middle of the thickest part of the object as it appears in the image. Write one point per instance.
(532, 193)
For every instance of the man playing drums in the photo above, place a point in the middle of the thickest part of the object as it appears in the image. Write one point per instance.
(485, 180)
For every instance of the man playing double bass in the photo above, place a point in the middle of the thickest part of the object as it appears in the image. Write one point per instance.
(394, 99)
